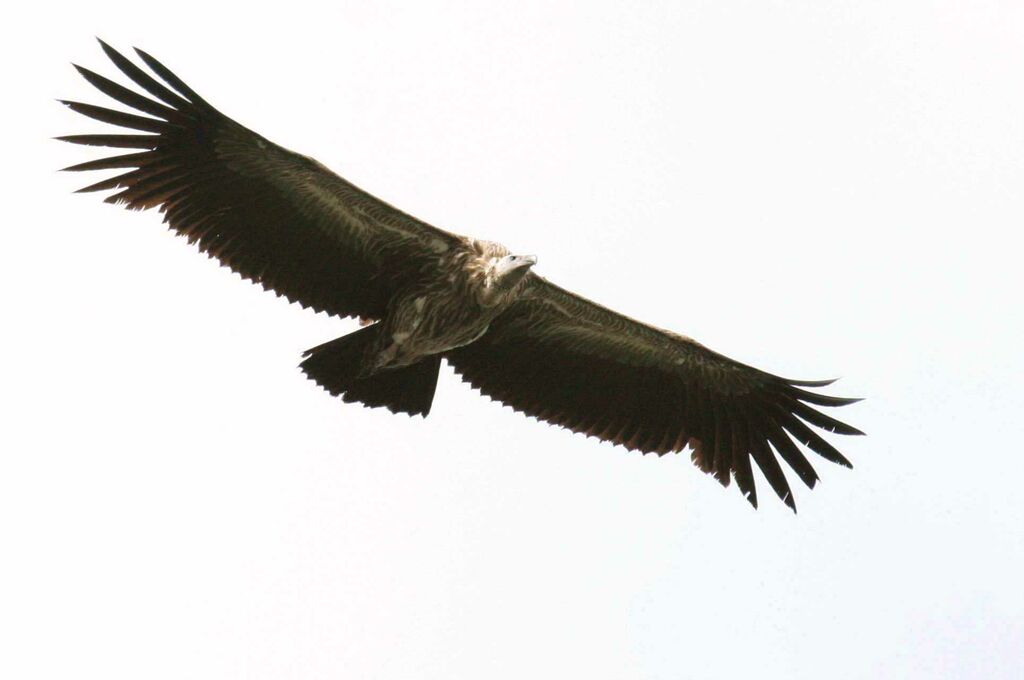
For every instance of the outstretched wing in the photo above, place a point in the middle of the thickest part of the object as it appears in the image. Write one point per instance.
(276, 217)
(566, 360)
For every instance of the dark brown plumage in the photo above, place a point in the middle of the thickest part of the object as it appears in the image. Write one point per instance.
(286, 222)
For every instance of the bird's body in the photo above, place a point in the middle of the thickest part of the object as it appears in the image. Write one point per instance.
(450, 306)
(284, 221)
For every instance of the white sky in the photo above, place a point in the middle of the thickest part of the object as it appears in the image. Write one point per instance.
(817, 188)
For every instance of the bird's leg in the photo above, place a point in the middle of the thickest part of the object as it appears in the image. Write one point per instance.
(386, 356)
(396, 344)
(382, 358)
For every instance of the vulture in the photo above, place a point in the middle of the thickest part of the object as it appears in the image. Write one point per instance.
(287, 223)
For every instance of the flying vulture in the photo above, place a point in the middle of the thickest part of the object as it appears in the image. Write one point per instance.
(286, 222)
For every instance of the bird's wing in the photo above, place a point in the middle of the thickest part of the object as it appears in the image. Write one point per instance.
(276, 217)
(563, 359)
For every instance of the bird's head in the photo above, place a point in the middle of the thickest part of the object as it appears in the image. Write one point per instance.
(498, 274)
(510, 270)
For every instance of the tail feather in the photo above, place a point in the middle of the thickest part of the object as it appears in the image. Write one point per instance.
(336, 365)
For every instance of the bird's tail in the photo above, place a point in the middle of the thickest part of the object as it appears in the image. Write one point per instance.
(336, 366)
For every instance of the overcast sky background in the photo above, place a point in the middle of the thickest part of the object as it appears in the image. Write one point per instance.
(818, 188)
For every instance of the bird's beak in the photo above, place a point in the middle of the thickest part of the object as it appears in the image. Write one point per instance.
(513, 268)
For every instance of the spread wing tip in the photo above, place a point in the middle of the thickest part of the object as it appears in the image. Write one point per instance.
(780, 425)
(811, 383)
